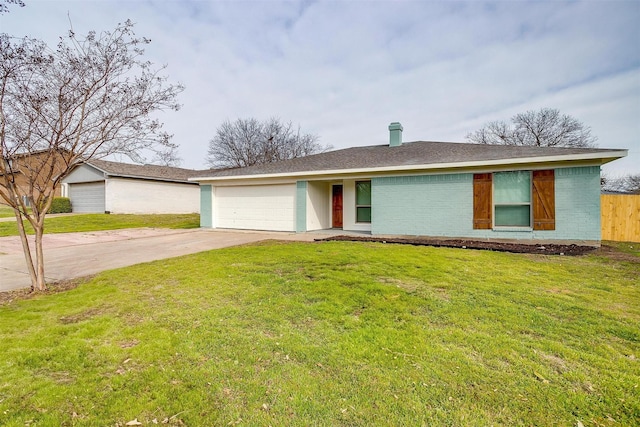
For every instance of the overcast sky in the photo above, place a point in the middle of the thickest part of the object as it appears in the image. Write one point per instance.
(345, 70)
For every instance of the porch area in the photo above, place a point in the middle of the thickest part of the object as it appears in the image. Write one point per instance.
(333, 205)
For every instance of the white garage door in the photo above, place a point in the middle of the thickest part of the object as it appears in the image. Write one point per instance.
(256, 207)
(87, 197)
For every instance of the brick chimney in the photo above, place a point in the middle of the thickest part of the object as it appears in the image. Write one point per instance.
(395, 134)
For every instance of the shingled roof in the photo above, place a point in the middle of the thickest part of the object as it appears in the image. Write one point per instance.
(420, 153)
(155, 172)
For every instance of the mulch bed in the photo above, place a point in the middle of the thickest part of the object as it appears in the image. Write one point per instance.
(521, 248)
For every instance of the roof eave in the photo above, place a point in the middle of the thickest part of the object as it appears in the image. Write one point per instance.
(149, 178)
(108, 174)
(602, 157)
(99, 169)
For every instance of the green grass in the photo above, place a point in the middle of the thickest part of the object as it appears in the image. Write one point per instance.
(329, 334)
(96, 222)
(5, 211)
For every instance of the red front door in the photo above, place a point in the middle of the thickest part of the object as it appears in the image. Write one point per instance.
(336, 204)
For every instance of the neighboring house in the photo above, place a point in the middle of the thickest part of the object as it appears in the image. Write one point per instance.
(31, 171)
(418, 188)
(104, 186)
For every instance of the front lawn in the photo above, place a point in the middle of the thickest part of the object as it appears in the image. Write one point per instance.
(97, 222)
(330, 334)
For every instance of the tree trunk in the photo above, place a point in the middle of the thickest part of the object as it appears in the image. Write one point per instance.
(40, 282)
(26, 249)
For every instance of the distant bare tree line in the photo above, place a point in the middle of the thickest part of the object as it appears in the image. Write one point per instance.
(248, 142)
(623, 184)
(543, 128)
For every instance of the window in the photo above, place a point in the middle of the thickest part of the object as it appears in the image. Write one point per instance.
(363, 201)
(512, 199)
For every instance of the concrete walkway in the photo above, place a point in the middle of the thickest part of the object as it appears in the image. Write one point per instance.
(73, 255)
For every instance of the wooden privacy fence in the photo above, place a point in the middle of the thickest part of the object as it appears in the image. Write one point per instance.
(620, 217)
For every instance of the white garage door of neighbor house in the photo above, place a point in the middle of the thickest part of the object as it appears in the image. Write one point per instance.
(256, 207)
(87, 197)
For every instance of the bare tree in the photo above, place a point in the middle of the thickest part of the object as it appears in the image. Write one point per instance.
(629, 183)
(543, 128)
(167, 157)
(4, 5)
(89, 98)
(248, 142)
(633, 183)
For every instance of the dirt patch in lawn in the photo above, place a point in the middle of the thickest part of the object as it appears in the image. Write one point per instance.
(616, 254)
(521, 248)
(8, 297)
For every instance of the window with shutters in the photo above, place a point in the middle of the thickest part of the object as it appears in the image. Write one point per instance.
(514, 199)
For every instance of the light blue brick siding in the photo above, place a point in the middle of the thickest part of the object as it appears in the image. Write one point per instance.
(206, 211)
(578, 203)
(429, 205)
(442, 205)
(301, 206)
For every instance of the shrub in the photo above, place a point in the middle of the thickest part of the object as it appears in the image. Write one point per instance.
(60, 205)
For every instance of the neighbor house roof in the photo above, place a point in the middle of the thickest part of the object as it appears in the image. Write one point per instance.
(155, 172)
(412, 156)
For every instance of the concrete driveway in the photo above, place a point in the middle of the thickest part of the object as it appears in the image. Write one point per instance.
(73, 255)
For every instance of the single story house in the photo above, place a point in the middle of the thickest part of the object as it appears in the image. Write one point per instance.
(105, 186)
(448, 190)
